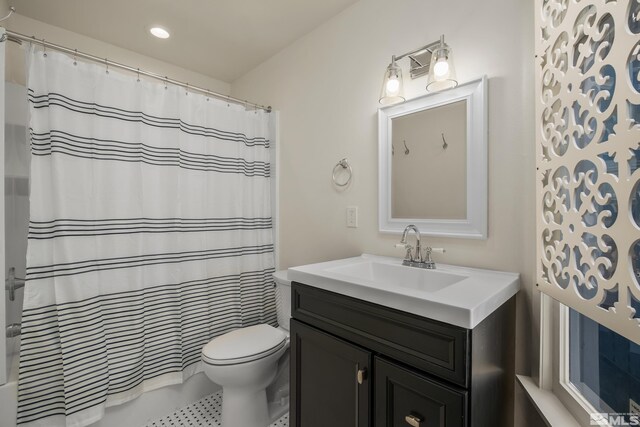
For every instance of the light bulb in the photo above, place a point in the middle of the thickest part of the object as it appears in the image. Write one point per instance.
(441, 67)
(393, 85)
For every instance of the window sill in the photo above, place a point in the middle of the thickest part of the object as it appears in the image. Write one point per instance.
(553, 412)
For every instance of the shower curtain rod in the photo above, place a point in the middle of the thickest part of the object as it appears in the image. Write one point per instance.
(19, 38)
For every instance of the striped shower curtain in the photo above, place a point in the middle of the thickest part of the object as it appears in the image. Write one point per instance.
(150, 234)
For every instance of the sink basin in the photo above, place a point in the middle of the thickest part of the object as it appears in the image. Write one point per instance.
(405, 277)
(456, 295)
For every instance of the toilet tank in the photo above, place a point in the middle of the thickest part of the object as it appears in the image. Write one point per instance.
(283, 298)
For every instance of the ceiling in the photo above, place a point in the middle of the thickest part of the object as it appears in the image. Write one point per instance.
(222, 39)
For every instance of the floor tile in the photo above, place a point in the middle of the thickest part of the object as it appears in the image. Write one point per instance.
(203, 413)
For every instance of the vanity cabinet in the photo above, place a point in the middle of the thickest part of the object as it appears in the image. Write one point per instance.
(356, 363)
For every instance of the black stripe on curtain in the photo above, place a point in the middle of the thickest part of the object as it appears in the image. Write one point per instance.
(58, 100)
(59, 228)
(92, 265)
(105, 335)
(56, 141)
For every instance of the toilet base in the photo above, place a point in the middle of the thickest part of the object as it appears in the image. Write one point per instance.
(244, 409)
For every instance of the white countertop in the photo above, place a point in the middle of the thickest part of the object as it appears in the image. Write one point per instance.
(465, 296)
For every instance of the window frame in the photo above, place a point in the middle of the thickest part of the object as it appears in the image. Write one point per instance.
(555, 363)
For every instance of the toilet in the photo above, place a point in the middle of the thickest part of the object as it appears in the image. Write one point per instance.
(246, 361)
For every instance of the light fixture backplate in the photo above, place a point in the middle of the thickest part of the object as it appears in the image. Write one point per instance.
(419, 64)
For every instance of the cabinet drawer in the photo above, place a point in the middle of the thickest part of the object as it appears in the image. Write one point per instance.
(431, 346)
(405, 398)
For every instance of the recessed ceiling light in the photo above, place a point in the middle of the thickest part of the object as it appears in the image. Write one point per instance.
(159, 32)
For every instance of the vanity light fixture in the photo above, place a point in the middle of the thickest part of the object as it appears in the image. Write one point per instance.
(442, 73)
(392, 90)
(436, 59)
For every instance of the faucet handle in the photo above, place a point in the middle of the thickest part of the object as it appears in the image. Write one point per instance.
(429, 250)
(427, 261)
(408, 257)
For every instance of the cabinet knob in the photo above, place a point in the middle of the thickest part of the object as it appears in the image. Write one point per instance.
(362, 375)
(413, 420)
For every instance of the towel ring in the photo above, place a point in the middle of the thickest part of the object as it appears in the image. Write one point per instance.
(344, 164)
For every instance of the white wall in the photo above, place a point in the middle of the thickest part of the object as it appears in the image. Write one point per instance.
(31, 27)
(4, 7)
(326, 86)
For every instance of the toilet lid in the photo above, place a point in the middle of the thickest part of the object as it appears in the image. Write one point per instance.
(244, 345)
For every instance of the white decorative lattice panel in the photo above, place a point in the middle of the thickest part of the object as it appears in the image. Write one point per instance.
(588, 158)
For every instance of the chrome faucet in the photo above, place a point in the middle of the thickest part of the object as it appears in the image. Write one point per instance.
(403, 241)
(418, 260)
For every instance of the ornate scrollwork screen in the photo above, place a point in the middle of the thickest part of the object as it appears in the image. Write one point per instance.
(588, 158)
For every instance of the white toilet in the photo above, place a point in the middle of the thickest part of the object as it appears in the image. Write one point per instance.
(245, 362)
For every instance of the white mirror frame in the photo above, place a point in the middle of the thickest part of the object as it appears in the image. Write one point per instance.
(475, 225)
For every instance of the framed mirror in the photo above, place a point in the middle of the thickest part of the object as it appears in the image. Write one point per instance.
(432, 154)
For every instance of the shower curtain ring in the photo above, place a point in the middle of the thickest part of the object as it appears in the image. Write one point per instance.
(44, 48)
(208, 92)
(186, 92)
(165, 82)
(138, 74)
(106, 64)
(75, 56)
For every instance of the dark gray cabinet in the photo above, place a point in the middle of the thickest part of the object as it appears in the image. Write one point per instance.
(355, 363)
(332, 386)
(404, 397)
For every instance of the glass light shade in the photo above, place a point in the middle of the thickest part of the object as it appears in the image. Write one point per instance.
(392, 85)
(442, 73)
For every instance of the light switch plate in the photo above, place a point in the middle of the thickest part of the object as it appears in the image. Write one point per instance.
(352, 216)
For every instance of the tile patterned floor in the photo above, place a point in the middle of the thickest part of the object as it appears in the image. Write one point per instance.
(203, 413)
(282, 422)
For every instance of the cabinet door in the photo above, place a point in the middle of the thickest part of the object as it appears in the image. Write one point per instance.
(405, 398)
(329, 379)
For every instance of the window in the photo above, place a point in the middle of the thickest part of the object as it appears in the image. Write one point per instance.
(603, 366)
(596, 372)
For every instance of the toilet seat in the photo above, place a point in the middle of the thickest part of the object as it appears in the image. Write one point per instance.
(244, 345)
